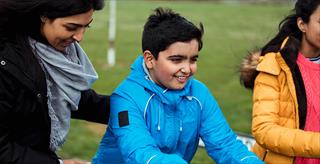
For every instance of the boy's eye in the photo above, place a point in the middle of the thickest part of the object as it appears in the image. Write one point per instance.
(175, 59)
(193, 60)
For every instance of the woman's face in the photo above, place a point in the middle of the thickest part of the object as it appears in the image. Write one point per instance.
(61, 32)
(310, 46)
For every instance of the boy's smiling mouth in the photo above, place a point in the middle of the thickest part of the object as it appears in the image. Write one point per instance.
(182, 79)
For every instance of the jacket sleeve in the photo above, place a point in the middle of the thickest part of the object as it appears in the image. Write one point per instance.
(93, 107)
(219, 139)
(134, 140)
(265, 123)
(11, 151)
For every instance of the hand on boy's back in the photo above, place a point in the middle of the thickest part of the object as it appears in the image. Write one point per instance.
(75, 161)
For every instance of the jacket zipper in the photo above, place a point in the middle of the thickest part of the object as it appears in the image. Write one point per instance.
(265, 155)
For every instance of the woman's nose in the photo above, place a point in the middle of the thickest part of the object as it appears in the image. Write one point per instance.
(78, 35)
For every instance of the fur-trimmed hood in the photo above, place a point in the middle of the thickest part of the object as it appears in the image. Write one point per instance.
(248, 70)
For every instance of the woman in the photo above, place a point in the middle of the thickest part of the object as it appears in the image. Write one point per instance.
(45, 77)
(285, 79)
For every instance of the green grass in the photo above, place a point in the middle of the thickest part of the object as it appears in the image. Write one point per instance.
(230, 31)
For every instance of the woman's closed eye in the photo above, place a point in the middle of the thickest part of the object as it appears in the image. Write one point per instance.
(72, 27)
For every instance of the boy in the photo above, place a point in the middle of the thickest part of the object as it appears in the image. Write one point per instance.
(159, 113)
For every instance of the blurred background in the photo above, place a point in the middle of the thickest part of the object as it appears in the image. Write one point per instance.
(232, 29)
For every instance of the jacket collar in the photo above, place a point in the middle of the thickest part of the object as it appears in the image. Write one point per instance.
(273, 62)
(269, 64)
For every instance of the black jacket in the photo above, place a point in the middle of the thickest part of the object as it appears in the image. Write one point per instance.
(24, 120)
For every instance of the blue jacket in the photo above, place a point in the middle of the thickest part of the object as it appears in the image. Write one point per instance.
(149, 124)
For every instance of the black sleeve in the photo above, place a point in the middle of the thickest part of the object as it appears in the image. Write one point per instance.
(10, 151)
(93, 107)
(17, 154)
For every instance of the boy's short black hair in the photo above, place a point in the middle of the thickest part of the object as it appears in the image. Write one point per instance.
(165, 27)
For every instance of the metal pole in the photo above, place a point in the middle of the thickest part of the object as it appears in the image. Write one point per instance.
(112, 34)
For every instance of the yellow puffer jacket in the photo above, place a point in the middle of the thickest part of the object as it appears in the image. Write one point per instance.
(275, 123)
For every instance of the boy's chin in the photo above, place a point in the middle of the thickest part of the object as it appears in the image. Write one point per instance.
(178, 87)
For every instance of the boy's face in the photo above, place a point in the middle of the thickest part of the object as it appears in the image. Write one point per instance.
(175, 65)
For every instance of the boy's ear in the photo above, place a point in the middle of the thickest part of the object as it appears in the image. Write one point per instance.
(148, 59)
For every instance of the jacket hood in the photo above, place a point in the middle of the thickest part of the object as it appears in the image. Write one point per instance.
(140, 75)
(249, 67)
(248, 70)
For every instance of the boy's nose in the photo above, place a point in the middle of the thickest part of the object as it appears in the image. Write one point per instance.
(185, 69)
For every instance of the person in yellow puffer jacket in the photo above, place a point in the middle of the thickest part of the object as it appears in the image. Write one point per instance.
(284, 76)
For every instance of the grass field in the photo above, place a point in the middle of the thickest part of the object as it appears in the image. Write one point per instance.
(230, 31)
